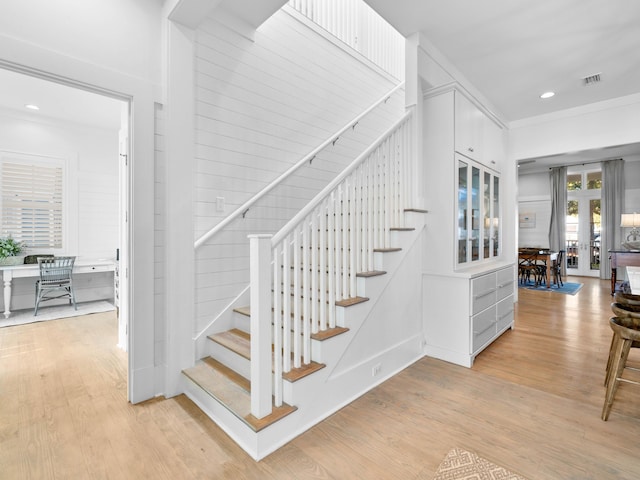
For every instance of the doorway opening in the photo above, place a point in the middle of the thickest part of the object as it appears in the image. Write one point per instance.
(583, 227)
(47, 117)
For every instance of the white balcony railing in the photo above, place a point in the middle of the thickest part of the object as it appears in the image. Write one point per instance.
(299, 274)
(359, 26)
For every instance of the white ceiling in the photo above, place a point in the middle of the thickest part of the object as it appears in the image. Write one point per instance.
(57, 101)
(512, 51)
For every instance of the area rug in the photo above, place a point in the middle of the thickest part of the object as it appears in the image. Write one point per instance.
(568, 287)
(462, 465)
(21, 317)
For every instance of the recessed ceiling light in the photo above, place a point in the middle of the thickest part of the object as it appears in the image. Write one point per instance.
(547, 95)
(30, 106)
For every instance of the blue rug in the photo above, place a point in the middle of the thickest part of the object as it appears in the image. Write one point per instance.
(568, 288)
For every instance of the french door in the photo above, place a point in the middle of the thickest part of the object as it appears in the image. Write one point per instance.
(583, 228)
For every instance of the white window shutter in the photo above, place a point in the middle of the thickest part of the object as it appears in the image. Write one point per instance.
(32, 204)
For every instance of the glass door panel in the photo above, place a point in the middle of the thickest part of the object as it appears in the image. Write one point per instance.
(462, 212)
(475, 208)
(583, 236)
(495, 224)
(486, 220)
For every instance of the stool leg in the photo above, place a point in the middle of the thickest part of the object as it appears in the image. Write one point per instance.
(612, 349)
(619, 361)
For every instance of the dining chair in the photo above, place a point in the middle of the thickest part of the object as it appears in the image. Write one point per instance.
(56, 280)
(557, 268)
(528, 268)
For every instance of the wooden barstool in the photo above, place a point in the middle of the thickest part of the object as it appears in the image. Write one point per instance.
(625, 331)
(626, 311)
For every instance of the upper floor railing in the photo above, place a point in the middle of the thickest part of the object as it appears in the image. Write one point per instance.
(359, 26)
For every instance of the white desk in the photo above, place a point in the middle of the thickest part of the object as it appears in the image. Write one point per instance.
(21, 271)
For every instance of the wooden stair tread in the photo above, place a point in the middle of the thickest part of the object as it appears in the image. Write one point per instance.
(220, 382)
(297, 373)
(322, 335)
(371, 273)
(235, 340)
(240, 342)
(347, 302)
(329, 333)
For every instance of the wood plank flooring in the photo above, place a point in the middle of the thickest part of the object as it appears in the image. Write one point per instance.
(531, 403)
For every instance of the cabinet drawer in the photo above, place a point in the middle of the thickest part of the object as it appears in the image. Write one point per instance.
(483, 291)
(504, 312)
(505, 283)
(483, 327)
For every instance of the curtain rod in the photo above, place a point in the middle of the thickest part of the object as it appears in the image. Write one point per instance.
(586, 163)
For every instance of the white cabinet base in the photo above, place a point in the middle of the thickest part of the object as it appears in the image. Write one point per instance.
(465, 312)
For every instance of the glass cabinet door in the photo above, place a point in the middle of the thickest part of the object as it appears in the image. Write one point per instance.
(462, 211)
(495, 224)
(478, 211)
(475, 217)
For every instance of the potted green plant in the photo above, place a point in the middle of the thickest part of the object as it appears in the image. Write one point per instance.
(10, 251)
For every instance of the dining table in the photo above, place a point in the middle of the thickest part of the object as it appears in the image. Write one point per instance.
(539, 255)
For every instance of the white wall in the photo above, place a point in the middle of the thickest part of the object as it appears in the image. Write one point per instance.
(93, 212)
(534, 200)
(261, 106)
(114, 46)
(117, 34)
(598, 125)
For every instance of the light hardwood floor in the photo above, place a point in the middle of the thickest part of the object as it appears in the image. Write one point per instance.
(531, 403)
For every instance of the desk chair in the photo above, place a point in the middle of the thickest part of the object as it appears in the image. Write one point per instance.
(55, 277)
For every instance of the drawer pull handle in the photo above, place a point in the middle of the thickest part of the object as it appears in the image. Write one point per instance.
(502, 285)
(484, 294)
(509, 313)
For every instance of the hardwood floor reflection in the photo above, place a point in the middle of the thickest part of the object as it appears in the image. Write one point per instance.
(531, 403)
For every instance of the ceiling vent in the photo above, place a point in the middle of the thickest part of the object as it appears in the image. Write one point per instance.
(591, 79)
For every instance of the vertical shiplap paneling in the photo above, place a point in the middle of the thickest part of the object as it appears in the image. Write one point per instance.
(98, 216)
(260, 107)
(159, 237)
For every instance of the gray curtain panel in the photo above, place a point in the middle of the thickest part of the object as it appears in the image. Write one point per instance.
(557, 237)
(612, 207)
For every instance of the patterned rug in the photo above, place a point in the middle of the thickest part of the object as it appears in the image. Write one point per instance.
(462, 465)
(568, 287)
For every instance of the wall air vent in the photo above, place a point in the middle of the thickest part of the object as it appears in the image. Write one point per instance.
(591, 79)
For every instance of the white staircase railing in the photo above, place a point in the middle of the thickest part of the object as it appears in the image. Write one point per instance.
(312, 262)
(221, 281)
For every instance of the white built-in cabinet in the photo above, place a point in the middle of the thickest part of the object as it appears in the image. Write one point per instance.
(467, 286)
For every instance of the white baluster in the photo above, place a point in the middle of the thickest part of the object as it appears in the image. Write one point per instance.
(286, 304)
(297, 310)
(277, 325)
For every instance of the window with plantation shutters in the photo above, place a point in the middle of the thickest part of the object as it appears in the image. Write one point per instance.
(31, 203)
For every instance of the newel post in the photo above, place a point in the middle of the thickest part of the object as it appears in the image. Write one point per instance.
(260, 271)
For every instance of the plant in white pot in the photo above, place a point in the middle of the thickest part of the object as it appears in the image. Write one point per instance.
(10, 251)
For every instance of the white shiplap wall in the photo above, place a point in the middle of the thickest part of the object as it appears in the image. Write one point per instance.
(260, 107)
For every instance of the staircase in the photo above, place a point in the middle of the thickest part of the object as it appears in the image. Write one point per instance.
(322, 291)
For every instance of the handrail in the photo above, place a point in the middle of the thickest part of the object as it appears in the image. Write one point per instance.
(278, 237)
(331, 140)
